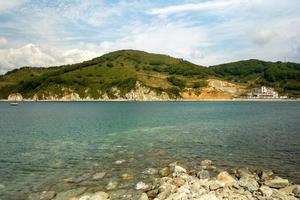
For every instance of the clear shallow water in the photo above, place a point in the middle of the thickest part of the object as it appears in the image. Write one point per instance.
(43, 143)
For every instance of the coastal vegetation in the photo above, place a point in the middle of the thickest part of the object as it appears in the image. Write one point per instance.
(121, 70)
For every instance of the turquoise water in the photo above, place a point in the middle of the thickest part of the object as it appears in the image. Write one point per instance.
(43, 143)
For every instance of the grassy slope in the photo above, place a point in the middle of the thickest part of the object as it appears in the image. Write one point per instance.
(163, 73)
(121, 69)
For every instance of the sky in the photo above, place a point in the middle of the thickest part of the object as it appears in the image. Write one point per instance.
(206, 32)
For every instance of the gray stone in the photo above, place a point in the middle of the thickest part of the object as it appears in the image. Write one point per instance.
(266, 191)
(248, 183)
(99, 196)
(215, 184)
(296, 191)
(203, 174)
(150, 171)
(2, 186)
(113, 184)
(34, 196)
(82, 177)
(47, 195)
(99, 176)
(70, 193)
(277, 183)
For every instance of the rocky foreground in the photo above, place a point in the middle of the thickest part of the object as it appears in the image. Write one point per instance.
(177, 183)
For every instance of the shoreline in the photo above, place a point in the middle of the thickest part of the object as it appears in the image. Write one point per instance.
(176, 181)
(162, 100)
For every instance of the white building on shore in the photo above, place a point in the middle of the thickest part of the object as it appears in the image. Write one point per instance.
(264, 92)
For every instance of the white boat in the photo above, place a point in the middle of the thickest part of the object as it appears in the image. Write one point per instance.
(13, 103)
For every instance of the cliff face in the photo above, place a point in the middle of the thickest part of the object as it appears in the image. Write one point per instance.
(216, 89)
(139, 93)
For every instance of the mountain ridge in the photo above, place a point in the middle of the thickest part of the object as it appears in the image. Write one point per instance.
(125, 73)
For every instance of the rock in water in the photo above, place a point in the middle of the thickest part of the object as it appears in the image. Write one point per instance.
(127, 176)
(119, 162)
(112, 185)
(69, 194)
(47, 195)
(99, 196)
(277, 183)
(99, 176)
(150, 171)
(206, 163)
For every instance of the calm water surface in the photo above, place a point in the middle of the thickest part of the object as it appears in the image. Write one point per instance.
(43, 143)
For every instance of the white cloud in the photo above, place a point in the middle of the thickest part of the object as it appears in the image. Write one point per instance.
(263, 37)
(3, 41)
(6, 5)
(207, 5)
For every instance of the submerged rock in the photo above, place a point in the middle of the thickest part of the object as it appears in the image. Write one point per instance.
(98, 176)
(113, 184)
(70, 193)
(119, 162)
(277, 183)
(127, 176)
(150, 171)
(47, 195)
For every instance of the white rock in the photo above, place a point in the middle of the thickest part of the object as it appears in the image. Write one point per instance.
(119, 162)
(142, 186)
(209, 197)
(178, 169)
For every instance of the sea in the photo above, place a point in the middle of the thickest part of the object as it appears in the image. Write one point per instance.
(44, 145)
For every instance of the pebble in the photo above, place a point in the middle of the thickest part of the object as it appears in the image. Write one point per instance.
(119, 162)
(2, 186)
(179, 181)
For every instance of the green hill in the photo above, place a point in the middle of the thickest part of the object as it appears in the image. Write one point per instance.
(284, 77)
(121, 70)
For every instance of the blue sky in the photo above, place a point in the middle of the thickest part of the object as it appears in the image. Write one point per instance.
(206, 32)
